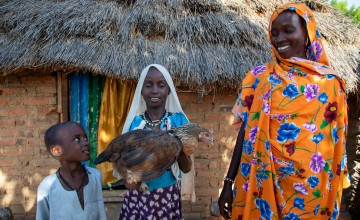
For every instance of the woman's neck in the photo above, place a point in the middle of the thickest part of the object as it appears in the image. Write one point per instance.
(155, 114)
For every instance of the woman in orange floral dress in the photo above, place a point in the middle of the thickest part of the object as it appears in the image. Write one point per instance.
(290, 159)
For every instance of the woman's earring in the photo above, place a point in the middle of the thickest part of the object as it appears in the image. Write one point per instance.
(306, 43)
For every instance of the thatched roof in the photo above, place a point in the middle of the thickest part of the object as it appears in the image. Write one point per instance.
(201, 42)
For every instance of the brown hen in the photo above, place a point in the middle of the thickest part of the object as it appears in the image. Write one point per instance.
(141, 155)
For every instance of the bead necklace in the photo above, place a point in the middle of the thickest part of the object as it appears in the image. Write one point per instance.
(156, 122)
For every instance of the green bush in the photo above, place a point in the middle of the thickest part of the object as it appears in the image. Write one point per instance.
(353, 12)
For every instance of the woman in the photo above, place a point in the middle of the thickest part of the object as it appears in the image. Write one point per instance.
(156, 106)
(290, 151)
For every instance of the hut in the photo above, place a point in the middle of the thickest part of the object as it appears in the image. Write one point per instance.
(56, 54)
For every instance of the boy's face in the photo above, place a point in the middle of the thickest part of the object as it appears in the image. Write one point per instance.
(75, 146)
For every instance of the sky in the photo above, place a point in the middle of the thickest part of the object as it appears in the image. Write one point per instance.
(353, 2)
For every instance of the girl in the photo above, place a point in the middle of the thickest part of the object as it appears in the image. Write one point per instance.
(156, 106)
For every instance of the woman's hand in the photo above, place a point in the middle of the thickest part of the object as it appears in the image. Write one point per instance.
(225, 200)
(132, 186)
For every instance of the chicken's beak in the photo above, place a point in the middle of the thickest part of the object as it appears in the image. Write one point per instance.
(211, 139)
(206, 137)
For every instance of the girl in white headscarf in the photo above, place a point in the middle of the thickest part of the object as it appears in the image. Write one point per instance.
(156, 106)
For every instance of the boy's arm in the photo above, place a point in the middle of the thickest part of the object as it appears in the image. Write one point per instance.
(42, 207)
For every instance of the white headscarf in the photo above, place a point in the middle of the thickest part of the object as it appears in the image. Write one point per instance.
(138, 106)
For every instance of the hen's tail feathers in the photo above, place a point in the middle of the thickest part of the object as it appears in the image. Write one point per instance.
(102, 158)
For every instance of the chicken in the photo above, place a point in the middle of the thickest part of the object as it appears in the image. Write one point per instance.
(141, 155)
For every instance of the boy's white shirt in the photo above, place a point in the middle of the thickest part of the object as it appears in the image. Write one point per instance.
(54, 202)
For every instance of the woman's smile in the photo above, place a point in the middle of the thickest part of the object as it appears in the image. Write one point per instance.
(282, 48)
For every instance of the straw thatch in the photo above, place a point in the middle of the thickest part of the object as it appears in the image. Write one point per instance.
(201, 42)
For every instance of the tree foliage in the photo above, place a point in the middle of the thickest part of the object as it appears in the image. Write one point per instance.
(353, 12)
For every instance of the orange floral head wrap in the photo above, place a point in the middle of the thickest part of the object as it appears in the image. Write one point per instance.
(315, 50)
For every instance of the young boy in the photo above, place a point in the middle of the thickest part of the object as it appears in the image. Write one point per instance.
(74, 191)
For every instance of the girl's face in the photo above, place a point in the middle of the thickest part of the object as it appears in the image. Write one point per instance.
(155, 89)
(288, 35)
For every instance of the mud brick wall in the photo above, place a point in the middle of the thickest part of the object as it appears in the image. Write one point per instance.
(211, 160)
(27, 106)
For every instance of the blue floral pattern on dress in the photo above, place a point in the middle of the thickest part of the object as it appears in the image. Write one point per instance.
(245, 169)
(313, 181)
(299, 203)
(264, 207)
(291, 91)
(287, 132)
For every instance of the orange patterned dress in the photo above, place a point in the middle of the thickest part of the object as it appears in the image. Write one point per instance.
(293, 163)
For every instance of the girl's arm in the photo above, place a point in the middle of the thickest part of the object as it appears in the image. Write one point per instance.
(184, 162)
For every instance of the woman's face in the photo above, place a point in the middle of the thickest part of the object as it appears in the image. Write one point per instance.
(288, 35)
(155, 89)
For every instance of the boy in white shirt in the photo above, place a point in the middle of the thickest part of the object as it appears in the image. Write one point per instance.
(74, 191)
